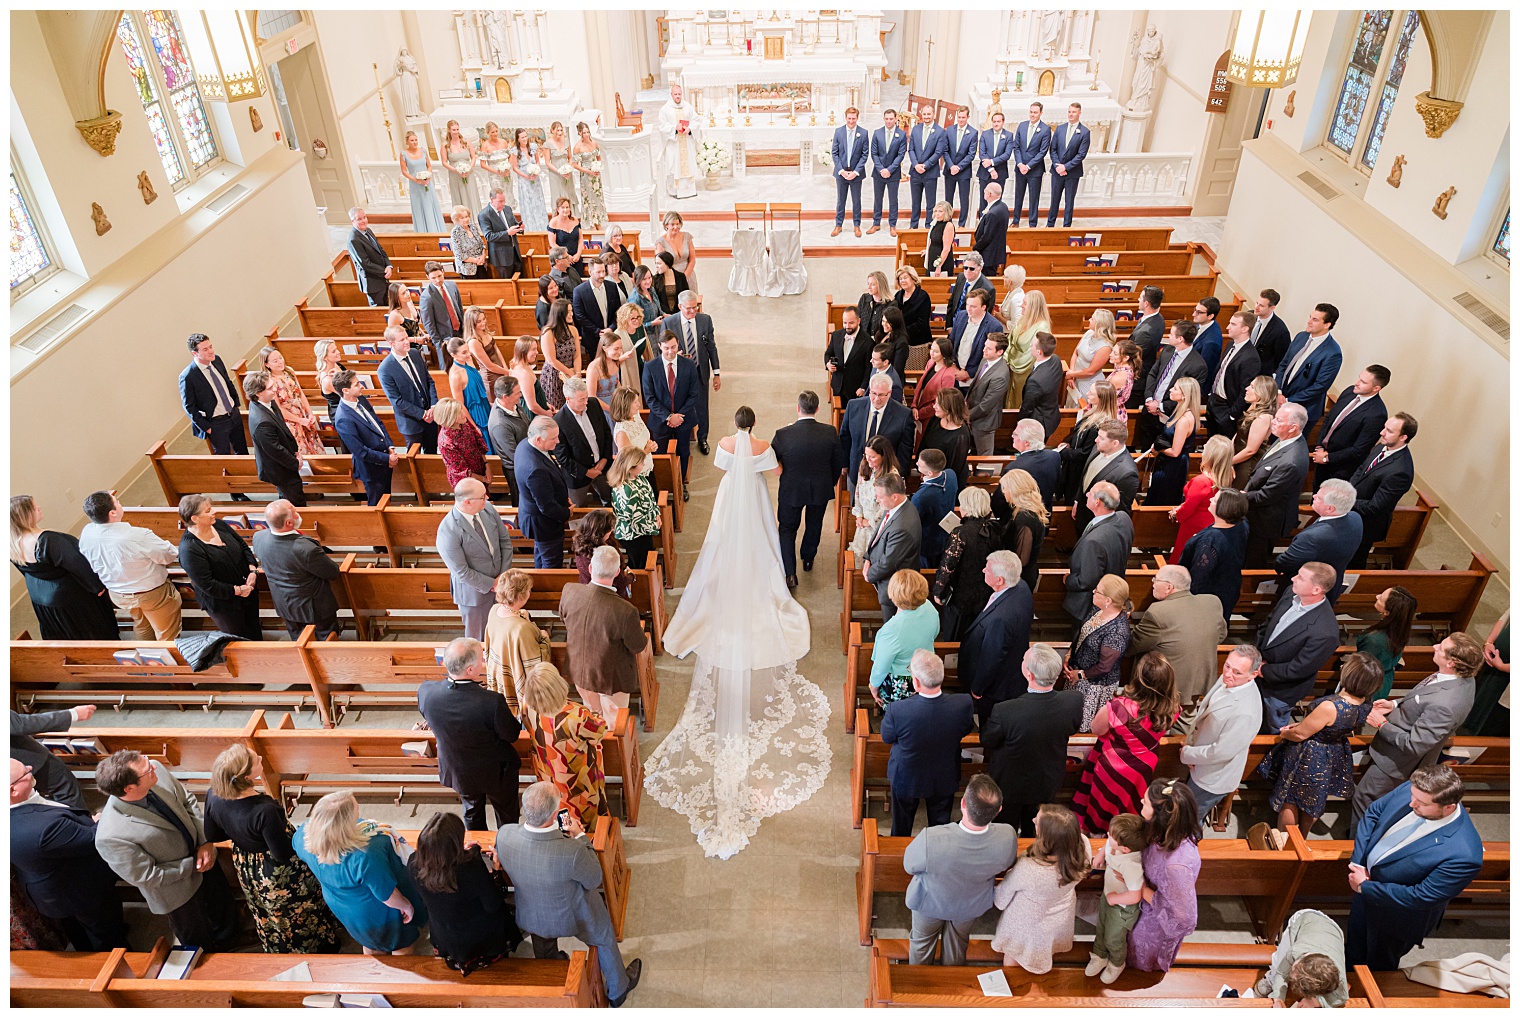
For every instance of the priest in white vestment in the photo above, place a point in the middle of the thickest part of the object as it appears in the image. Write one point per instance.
(678, 128)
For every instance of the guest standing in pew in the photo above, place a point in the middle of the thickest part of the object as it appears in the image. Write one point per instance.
(299, 573)
(812, 461)
(282, 894)
(1215, 556)
(848, 357)
(1025, 739)
(476, 733)
(1309, 963)
(1169, 903)
(408, 384)
(328, 354)
(894, 544)
(1217, 740)
(364, 436)
(372, 266)
(1179, 360)
(1040, 463)
(994, 639)
(1384, 641)
(948, 433)
(593, 308)
(499, 229)
(877, 460)
(469, 248)
(221, 568)
(1310, 364)
(211, 402)
(1129, 728)
(1382, 479)
(461, 445)
(1081, 440)
(1091, 356)
(592, 531)
(567, 739)
(543, 506)
(51, 777)
(1123, 890)
(699, 345)
(603, 635)
(290, 399)
(1238, 364)
(1147, 335)
(1416, 849)
(1209, 344)
(986, 395)
(939, 371)
(1270, 333)
(1038, 895)
(555, 875)
(926, 731)
(1275, 486)
(470, 923)
(150, 832)
(1351, 426)
(991, 237)
(1299, 637)
(1186, 627)
(548, 293)
(1097, 650)
(1254, 431)
(476, 547)
(513, 642)
(913, 628)
(672, 391)
(954, 867)
(67, 597)
(872, 415)
(1025, 521)
(1102, 548)
(1194, 513)
(508, 427)
(881, 366)
(917, 311)
(1044, 389)
(636, 511)
(363, 879)
(934, 499)
(1412, 730)
(275, 452)
(442, 313)
(1331, 536)
(54, 859)
(1110, 464)
(131, 562)
(585, 445)
(1173, 446)
(1311, 761)
(1033, 320)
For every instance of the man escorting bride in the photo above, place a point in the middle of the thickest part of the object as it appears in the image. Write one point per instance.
(753, 739)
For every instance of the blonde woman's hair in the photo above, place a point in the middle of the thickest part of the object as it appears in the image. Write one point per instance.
(1014, 276)
(625, 316)
(543, 690)
(911, 273)
(908, 589)
(1102, 324)
(1266, 397)
(1023, 494)
(1190, 403)
(513, 585)
(943, 206)
(624, 465)
(1217, 453)
(332, 830)
(230, 771)
(1036, 314)
(447, 412)
(473, 315)
(974, 502)
(882, 286)
(1103, 404)
(1116, 589)
(319, 350)
(672, 218)
(621, 403)
(22, 510)
(460, 215)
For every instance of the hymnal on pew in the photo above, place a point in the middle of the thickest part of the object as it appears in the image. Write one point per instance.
(179, 962)
(145, 656)
(994, 984)
(72, 747)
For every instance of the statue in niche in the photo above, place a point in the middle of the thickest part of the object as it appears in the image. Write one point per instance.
(146, 187)
(408, 91)
(1051, 23)
(495, 23)
(103, 225)
(1439, 208)
(1147, 57)
(1396, 175)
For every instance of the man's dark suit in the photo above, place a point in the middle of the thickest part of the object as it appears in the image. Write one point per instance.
(889, 157)
(507, 431)
(1329, 540)
(999, 148)
(1348, 442)
(1193, 366)
(409, 401)
(1025, 741)
(275, 452)
(300, 576)
(896, 545)
(588, 316)
(575, 454)
(1272, 493)
(986, 327)
(199, 399)
(1044, 466)
(1378, 490)
(925, 735)
(1029, 149)
(958, 290)
(1121, 472)
(1210, 344)
(704, 357)
(1311, 382)
(958, 184)
(1044, 390)
(370, 262)
(1101, 549)
(850, 372)
(1068, 148)
(1241, 364)
(662, 403)
(1147, 336)
(1272, 343)
(501, 246)
(926, 147)
(475, 731)
(53, 853)
(849, 152)
(991, 239)
(896, 426)
(1290, 661)
(1406, 892)
(369, 447)
(434, 313)
(53, 779)
(992, 649)
(543, 504)
(811, 461)
(893, 377)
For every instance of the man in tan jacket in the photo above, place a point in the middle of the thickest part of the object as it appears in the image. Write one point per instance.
(1186, 627)
(604, 637)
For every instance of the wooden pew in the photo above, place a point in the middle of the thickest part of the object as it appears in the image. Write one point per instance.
(1173, 261)
(1395, 989)
(1112, 238)
(179, 475)
(1068, 321)
(365, 321)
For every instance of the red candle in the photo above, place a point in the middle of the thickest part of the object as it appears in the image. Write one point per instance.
(749, 45)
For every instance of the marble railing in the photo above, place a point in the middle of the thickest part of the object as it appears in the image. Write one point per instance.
(1135, 178)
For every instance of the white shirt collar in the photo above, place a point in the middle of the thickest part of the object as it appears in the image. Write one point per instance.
(968, 830)
(36, 799)
(931, 696)
(540, 830)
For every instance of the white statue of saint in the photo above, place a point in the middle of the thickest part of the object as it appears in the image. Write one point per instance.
(496, 37)
(408, 93)
(1147, 57)
(679, 129)
(1051, 23)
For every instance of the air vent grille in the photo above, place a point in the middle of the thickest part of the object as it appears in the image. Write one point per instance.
(1496, 322)
(1319, 186)
(226, 199)
(55, 327)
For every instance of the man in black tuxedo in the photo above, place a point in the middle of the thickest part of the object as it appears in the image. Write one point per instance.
(971, 278)
(1239, 363)
(499, 229)
(1274, 488)
(700, 346)
(593, 307)
(210, 399)
(1177, 361)
(1381, 480)
(1045, 388)
(543, 501)
(299, 572)
(475, 730)
(372, 266)
(875, 413)
(1300, 636)
(1040, 463)
(1025, 739)
(275, 450)
(410, 388)
(442, 310)
(1349, 431)
(993, 643)
(1270, 334)
(991, 238)
(671, 391)
(585, 447)
(1147, 335)
(925, 733)
(848, 357)
(811, 461)
(1109, 462)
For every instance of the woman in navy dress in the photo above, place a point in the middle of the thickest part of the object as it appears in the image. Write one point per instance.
(70, 601)
(1169, 475)
(1215, 555)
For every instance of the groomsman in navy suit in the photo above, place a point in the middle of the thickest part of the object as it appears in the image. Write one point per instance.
(672, 391)
(1031, 141)
(1309, 367)
(850, 149)
(960, 154)
(889, 146)
(993, 150)
(364, 436)
(1068, 147)
(926, 147)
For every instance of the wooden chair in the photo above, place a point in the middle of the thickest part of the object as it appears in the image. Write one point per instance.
(787, 212)
(749, 211)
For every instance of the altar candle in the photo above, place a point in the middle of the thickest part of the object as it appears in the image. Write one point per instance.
(749, 45)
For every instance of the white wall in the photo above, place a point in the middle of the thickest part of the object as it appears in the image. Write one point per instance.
(352, 41)
(1192, 43)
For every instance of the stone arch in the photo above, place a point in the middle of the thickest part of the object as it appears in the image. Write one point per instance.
(1454, 38)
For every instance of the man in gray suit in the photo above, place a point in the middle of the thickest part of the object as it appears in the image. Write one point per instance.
(984, 400)
(895, 545)
(151, 834)
(299, 572)
(54, 780)
(953, 868)
(1187, 627)
(555, 875)
(1102, 548)
(477, 549)
(1411, 731)
(508, 426)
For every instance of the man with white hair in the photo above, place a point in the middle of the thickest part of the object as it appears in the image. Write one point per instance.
(971, 278)
(699, 345)
(299, 571)
(1218, 738)
(476, 547)
(925, 733)
(1187, 627)
(1031, 456)
(991, 239)
(1275, 485)
(1332, 537)
(476, 734)
(875, 413)
(993, 643)
(603, 634)
(1025, 739)
(543, 500)
(372, 266)
(585, 447)
(1103, 547)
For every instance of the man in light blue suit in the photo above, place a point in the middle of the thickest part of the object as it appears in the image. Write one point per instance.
(960, 154)
(889, 146)
(993, 152)
(1068, 147)
(926, 147)
(1309, 366)
(850, 149)
(1031, 141)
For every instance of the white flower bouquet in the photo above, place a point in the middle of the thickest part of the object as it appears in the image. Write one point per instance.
(711, 158)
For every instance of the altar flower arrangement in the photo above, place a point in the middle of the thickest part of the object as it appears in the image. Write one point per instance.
(711, 158)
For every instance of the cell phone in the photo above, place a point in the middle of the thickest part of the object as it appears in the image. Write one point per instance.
(561, 817)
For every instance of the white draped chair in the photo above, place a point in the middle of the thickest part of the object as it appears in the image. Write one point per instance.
(751, 266)
(784, 273)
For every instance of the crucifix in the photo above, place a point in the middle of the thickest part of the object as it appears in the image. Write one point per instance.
(929, 56)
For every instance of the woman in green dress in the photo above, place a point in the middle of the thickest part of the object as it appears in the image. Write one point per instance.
(1386, 640)
(1490, 710)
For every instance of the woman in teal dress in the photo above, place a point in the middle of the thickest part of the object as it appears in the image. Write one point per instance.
(911, 629)
(363, 881)
(1489, 715)
(1386, 639)
(466, 386)
(417, 167)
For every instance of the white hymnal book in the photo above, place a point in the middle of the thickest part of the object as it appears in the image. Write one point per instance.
(344, 1000)
(300, 974)
(179, 962)
(352, 349)
(994, 984)
(950, 522)
(305, 469)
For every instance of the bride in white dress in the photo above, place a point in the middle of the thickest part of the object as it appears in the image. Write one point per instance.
(753, 739)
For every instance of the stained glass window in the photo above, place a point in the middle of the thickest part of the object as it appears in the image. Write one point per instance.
(165, 79)
(142, 76)
(1390, 90)
(1501, 242)
(1371, 34)
(29, 256)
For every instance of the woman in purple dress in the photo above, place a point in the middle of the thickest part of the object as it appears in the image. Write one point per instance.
(1169, 903)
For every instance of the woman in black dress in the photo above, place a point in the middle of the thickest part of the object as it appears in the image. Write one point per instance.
(1020, 508)
(221, 568)
(1215, 555)
(874, 302)
(939, 247)
(283, 895)
(959, 582)
(668, 284)
(893, 331)
(916, 307)
(70, 601)
(548, 293)
(470, 923)
(398, 299)
(949, 432)
(1083, 439)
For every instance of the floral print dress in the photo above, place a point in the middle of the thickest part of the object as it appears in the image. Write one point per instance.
(293, 402)
(567, 751)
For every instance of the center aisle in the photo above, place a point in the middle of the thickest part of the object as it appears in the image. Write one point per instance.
(774, 925)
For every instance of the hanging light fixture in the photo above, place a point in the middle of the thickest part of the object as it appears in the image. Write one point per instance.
(1269, 44)
(226, 67)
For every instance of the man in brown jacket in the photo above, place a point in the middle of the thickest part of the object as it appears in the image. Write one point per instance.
(1186, 627)
(604, 636)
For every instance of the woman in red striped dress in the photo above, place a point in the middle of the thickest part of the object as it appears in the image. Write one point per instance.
(1129, 729)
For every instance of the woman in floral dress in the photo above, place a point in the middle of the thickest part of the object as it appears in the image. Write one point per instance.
(1093, 665)
(638, 514)
(557, 159)
(567, 739)
(293, 404)
(495, 157)
(587, 160)
(526, 161)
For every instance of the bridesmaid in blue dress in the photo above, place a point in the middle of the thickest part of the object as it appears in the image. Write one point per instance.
(1169, 475)
(526, 163)
(417, 167)
(467, 386)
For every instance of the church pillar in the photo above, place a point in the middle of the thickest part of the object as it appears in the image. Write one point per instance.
(947, 44)
(637, 40)
(80, 43)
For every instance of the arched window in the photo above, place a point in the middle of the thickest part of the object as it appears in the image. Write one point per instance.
(1501, 242)
(1374, 72)
(166, 84)
(31, 261)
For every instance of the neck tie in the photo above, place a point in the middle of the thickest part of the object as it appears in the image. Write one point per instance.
(1298, 362)
(222, 398)
(960, 136)
(670, 379)
(691, 340)
(1341, 417)
(411, 372)
(1256, 330)
(453, 318)
(1219, 375)
(849, 147)
(875, 419)
(480, 528)
(1165, 385)
(1377, 459)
